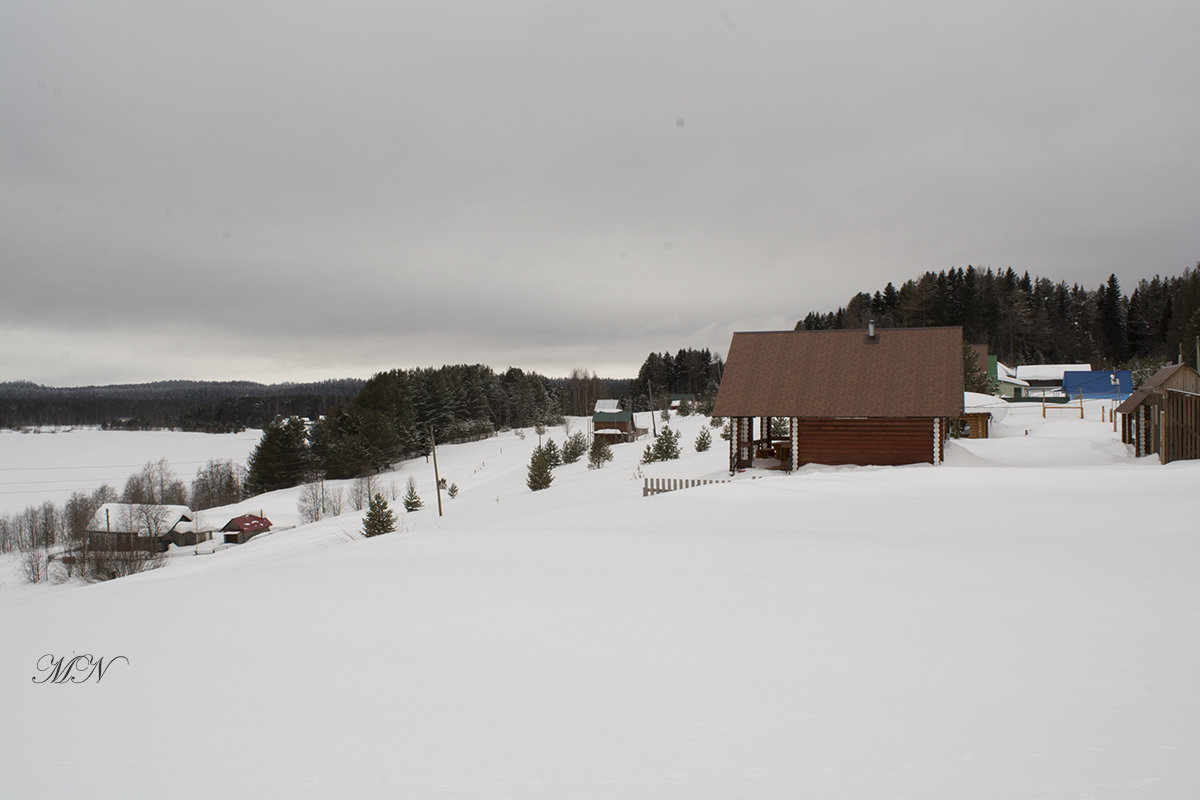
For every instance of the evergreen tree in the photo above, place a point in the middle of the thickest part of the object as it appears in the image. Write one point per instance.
(281, 459)
(551, 453)
(600, 453)
(666, 447)
(453, 491)
(539, 476)
(1113, 323)
(704, 440)
(412, 501)
(974, 378)
(574, 447)
(379, 518)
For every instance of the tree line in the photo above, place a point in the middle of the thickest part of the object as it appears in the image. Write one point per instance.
(396, 413)
(1033, 320)
(204, 406)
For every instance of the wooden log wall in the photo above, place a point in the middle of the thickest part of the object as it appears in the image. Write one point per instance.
(882, 441)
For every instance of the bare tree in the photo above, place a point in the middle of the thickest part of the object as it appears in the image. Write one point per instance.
(362, 490)
(218, 483)
(156, 484)
(319, 500)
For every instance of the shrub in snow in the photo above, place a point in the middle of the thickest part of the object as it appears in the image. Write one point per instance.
(551, 453)
(412, 500)
(453, 490)
(379, 518)
(666, 447)
(540, 475)
(703, 441)
(600, 453)
(574, 447)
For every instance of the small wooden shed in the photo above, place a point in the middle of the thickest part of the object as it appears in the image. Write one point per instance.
(875, 396)
(240, 530)
(1163, 415)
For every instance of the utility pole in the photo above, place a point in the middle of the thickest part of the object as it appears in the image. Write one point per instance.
(436, 480)
(653, 424)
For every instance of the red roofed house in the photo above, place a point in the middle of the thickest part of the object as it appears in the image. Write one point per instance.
(240, 530)
(875, 396)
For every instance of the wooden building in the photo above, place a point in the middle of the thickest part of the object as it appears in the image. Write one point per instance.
(876, 396)
(122, 527)
(1163, 415)
(240, 530)
(612, 424)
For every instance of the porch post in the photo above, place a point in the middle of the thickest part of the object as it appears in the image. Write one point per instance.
(795, 422)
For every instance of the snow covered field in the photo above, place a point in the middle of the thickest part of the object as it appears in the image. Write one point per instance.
(49, 464)
(1020, 622)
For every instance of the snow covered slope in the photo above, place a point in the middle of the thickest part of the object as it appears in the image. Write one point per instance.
(982, 629)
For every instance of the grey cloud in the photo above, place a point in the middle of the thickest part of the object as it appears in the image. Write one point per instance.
(554, 184)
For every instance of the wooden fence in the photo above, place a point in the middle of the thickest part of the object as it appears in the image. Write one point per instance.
(660, 485)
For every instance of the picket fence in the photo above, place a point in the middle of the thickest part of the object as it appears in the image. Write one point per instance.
(660, 485)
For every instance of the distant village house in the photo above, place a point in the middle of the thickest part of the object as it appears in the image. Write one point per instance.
(142, 526)
(240, 530)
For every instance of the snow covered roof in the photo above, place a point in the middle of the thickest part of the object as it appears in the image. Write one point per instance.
(1006, 374)
(136, 518)
(1049, 372)
(608, 405)
(976, 403)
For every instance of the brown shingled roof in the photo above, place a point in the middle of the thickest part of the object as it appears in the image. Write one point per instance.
(1163, 375)
(1130, 404)
(905, 372)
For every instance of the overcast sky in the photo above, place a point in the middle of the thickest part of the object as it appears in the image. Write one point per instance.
(301, 190)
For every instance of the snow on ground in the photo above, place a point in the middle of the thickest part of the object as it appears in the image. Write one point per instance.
(989, 628)
(48, 464)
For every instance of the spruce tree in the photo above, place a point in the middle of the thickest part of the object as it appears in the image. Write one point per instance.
(281, 459)
(552, 454)
(703, 441)
(379, 518)
(666, 446)
(600, 453)
(412, 500)
(574, 447)
(540, 475)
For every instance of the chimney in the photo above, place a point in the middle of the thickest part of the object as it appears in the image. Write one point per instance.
(871, 337)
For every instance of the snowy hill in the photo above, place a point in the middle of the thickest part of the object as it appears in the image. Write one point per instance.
(1018, 622)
